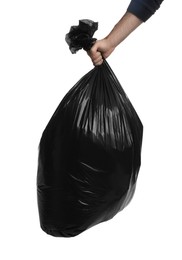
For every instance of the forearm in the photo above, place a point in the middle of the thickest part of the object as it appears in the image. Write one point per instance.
(123, 28)
(137, 13)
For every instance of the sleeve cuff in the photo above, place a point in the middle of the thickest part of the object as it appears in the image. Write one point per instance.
(139, 9)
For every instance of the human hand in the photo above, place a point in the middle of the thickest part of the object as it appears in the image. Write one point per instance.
(103, 48)
(100, 50)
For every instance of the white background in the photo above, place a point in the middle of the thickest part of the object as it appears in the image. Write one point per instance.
(36, 71)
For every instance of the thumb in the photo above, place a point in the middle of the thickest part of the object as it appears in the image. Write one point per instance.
(96, 46)
(94, 50)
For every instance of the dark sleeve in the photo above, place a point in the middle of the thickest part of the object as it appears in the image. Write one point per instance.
(144, 9)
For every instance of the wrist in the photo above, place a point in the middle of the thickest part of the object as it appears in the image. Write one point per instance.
(110, 42)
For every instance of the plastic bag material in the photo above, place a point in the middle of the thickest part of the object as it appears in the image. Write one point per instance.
(81, 36)
(89, 156)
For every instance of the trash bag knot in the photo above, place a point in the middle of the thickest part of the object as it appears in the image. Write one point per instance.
(80, 37)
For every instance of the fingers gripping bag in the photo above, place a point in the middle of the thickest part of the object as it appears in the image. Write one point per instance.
(90, 151)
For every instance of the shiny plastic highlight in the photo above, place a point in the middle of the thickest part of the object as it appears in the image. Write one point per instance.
(89, 156)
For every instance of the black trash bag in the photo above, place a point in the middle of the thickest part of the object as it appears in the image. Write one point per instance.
(89, 155)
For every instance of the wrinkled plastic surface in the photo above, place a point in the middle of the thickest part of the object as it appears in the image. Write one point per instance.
(81, 36)
(89, 156)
